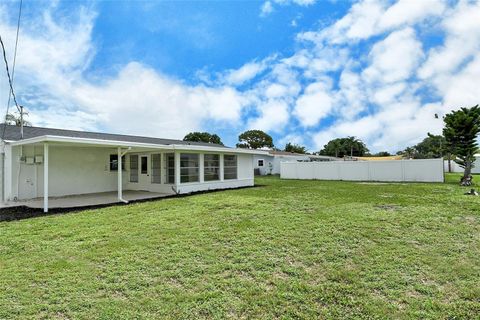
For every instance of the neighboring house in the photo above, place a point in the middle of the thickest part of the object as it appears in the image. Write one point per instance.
(269, 163)
(373, 158)
(55, 163)
(476, 168)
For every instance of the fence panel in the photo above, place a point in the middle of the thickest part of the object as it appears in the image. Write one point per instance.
(424, 170)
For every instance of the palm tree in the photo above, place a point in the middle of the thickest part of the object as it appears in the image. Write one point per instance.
(14, 119)
(355, 144)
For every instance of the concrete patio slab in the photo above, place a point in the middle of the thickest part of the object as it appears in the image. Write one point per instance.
(86, 200)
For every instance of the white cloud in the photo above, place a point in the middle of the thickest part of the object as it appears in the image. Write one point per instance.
(407, 12)
(462, 28)
(394, 58)
(274, 116)
(290, 138)
(315, 104)
(266, 9)
(137, 100)
(371, 17)
(352, 96)
(245, 73)
(388, 93)
(462, 88)
(359, 23)
(157, 103)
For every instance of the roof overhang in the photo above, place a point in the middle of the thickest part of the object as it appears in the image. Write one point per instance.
(127, 144)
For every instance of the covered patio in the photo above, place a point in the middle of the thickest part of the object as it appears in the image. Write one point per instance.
(89, 199)
(57, 168)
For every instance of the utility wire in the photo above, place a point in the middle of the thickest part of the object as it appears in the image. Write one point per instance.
(15, 52)
(11, 92)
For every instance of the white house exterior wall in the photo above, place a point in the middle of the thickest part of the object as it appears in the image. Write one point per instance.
(244, 178)
(275, 162)
(264, 170)
(72, 170)
(476, 168)
(80, 170)
(455, 167)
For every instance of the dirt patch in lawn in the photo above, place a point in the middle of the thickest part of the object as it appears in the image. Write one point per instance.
(388, 207)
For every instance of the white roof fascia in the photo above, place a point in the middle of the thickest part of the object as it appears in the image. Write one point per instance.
(115, 143)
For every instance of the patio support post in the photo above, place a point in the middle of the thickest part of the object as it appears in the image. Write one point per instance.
(119, 175)
(177, 170)
(45, 177)
(222, 167)
(201, 169)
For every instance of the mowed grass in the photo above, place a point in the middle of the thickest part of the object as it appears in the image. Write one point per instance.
(284, 249)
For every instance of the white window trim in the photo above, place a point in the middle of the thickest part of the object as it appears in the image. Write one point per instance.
(198, 168)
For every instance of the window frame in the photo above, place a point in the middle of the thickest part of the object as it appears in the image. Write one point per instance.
(258, 163)
(230, 166)
(154, 170)
(133, 171)
(114, 161)
(209, 168)
(169, 178)
(196, 169)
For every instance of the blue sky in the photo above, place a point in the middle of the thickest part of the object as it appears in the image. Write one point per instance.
(305, 71)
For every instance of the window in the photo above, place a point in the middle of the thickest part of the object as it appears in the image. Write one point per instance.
(260, 162)
(144, 165)
(156, 168)
(211, 167)
(229, 166)
(114, 162)
(189, 167)
(170, 167)
(133, 168)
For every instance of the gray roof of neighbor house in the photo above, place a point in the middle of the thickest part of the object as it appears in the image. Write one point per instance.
(13, 133)
(286, 153)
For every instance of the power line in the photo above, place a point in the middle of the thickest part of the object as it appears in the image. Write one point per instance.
(15, 52)
(11, 92)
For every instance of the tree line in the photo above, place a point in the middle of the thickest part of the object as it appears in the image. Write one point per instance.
(250, 139)
(458, 142)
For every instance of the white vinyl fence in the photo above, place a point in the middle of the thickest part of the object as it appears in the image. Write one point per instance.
(454, 167)
(425, 170)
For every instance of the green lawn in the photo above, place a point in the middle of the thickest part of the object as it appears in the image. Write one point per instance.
(284, 249)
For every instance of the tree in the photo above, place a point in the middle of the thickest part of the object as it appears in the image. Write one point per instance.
(254, 139)
(433, 146)
(461, 131)
(15, 120)
(382, 154)
(408, 153)
(340, 147)
(203, 137)
(295, 148)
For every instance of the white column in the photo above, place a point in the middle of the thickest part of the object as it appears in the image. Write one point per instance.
(177, 169)
(119, 174)
(8, 174)
(45, 177)
(201, 169)
(222, 167)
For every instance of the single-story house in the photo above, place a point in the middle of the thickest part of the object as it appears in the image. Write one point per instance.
(49, 163)
(269, 163)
